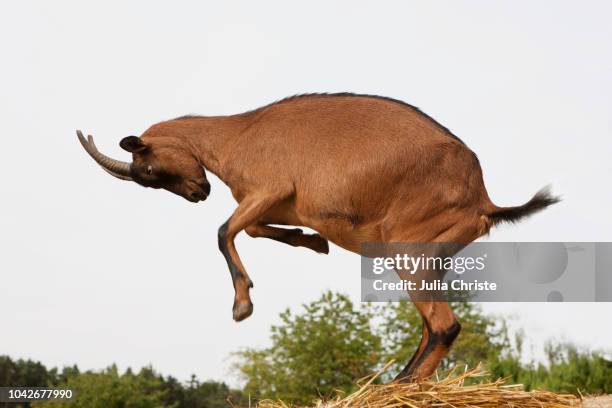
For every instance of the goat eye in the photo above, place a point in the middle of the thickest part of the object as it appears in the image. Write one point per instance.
(149, 170)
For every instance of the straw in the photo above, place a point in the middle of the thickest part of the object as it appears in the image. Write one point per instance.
(449, 392)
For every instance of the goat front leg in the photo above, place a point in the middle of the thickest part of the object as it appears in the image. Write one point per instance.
(294, 237)
(248, 212)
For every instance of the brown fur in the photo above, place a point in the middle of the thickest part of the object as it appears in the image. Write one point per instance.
(354, 168)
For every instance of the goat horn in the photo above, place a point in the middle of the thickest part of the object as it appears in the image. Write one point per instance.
(116, 168)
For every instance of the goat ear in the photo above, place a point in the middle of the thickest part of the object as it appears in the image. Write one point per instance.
(132, 144)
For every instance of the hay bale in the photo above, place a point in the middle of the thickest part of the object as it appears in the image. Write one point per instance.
(449, 392)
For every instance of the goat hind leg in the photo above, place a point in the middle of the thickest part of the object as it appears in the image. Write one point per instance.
(438, 317)
(443, 328)
(294, 237)
(407, 373)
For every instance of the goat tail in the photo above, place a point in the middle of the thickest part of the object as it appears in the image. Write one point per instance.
(538, 202)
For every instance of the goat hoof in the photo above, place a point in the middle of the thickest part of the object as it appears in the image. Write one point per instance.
(407, 379)
(242, 310)
(322, 246)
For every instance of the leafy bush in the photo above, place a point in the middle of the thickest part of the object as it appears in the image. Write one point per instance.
(568, 369)
(314, 353)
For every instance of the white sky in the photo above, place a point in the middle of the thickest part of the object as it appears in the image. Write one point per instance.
(96, 271)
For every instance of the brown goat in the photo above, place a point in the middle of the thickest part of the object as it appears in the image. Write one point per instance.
(354, 168)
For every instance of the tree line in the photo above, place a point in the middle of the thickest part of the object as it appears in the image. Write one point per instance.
(110, 388)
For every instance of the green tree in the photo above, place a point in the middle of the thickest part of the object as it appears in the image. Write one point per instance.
(571, 369)
(212, 394)
(24, 373)
(110, 389)
(323, 349)
(567, 369)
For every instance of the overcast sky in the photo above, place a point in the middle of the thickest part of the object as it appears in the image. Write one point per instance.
(95, 270)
